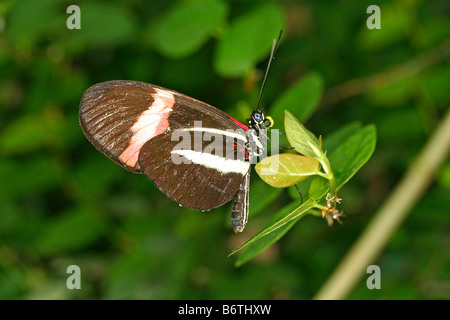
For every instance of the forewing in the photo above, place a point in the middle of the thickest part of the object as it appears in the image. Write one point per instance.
(118, 114)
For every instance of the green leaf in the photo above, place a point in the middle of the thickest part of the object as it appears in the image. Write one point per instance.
(94, 165)
(333, 140)
(187, 26)
(279, 222)
(319, 188)
(302, 187)
(31, 132)
(36, 173)
(244, 44)
(351, 155)
(264, 194)
(299, 137)
(260, 245)
(287, 169)
(30, 20)
(396, 23)
(102, 24)
(73, 230)
(301, 99)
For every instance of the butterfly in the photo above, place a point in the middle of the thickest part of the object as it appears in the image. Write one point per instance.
(196, 154)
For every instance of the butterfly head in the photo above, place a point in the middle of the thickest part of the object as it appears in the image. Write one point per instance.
(259, 121)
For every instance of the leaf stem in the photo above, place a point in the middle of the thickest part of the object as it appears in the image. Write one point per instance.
(325, 163)
(319, 206)
(324, 175)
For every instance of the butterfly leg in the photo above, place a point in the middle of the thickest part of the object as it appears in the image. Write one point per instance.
(299, 192)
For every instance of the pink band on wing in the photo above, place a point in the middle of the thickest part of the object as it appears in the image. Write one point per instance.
(150, 123)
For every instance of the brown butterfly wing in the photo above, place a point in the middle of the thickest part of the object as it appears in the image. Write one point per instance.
(131, 122)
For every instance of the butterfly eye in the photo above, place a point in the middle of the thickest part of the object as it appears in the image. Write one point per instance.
(258, 117)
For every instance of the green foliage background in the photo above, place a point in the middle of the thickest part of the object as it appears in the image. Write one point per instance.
(63, 203)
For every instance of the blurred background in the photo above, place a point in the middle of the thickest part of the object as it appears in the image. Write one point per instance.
(64, 203)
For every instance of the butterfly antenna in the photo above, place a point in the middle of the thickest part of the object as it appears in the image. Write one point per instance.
(272, 55)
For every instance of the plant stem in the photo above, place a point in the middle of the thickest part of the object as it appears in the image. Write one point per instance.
(389, 217)
(325, 163)
(323, 175)
(332, 179)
